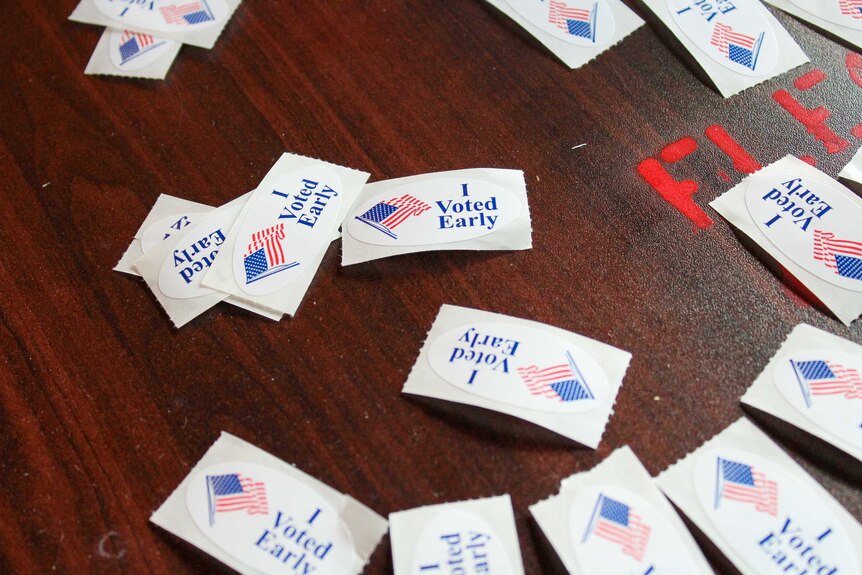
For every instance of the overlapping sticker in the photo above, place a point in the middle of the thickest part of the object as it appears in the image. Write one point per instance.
(467, 537)
(809, 223)
(258, 514)
(613, 520)
(576, 31)
(738, 44)
(553, 378)
(760, 508)
(133, 54)
(843, 18)
(479, 209)
(814, 381)
(851, 174)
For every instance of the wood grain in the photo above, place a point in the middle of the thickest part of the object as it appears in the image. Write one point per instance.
(104, 407)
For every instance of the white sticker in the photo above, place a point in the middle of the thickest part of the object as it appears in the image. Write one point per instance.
(826, 386)
(433, 211)
(185, 266)
(616, 532)
(165, 15)
(519, 366)
(286, 228)
(846, 13)
(812, 220)
(769, 517)
(580, 22)
(167, 226)
(458, 541)
(733, 33)
(135, 50)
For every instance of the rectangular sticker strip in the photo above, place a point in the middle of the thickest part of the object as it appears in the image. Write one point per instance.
(554, 378)
(807, 222)
(738, 44)
(477, 209)
(843, 18)
(279, 239)
(194, 22)
(132, 54)
(259, 515)
(613, 520)
(760, 508)
(474, 537)
(576, 31)
(814, 381)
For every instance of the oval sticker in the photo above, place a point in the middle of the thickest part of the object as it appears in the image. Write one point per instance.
(734, 34)
(134, 50)
(269, 521)
(285, 228)
(812, 220)
(163, 229)
(770, 518)
(433, 211)
(826, 387)
(615, 532)
(519, 366)
(580, 22)
(165, 15)
(457, 541)
(847, 13)
(183, 269)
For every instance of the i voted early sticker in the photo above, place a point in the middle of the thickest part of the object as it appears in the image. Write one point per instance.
(770, 517)
(165, 15)
(733, 33)
(520, 366)
(847, 13)
(135, 50)
(580, 22)
(166, 227)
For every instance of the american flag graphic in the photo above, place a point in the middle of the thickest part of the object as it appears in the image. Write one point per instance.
(265, 254)
(385, 216)
(819, 377)
(736, 47)
(842, 256)
(579, 22)
(615, 521)
(740, 482)
(187, 14)
(134, 44)
(851, 8)
(234, 492)
(562, 382)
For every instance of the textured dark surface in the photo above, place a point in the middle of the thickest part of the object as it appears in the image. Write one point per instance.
(104, 407)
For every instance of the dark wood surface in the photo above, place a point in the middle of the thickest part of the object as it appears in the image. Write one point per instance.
(104, 407)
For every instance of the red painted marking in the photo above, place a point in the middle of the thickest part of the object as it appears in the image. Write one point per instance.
(857, 131)
(809, 80)
(854, 67)
(723, 175)
(813, 120)
(743, 162)
(676, 193)
(809, 160)
(672, 153)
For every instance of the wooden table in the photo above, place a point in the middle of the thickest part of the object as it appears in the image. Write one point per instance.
(104, 407)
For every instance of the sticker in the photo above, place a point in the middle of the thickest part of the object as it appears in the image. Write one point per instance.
(613, 531)
(165, 227)
(458, 541)
(165, 15)
(183, 269)
(434, 211)
(769, 517)
(733, 33)
(519, 366)
(134, 50)
(812, 220)
(847, 13)
(286, 228)
(826, 387)
(580, 22)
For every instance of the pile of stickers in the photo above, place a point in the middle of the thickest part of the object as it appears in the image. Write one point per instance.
(275, 237)
(142, 39)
